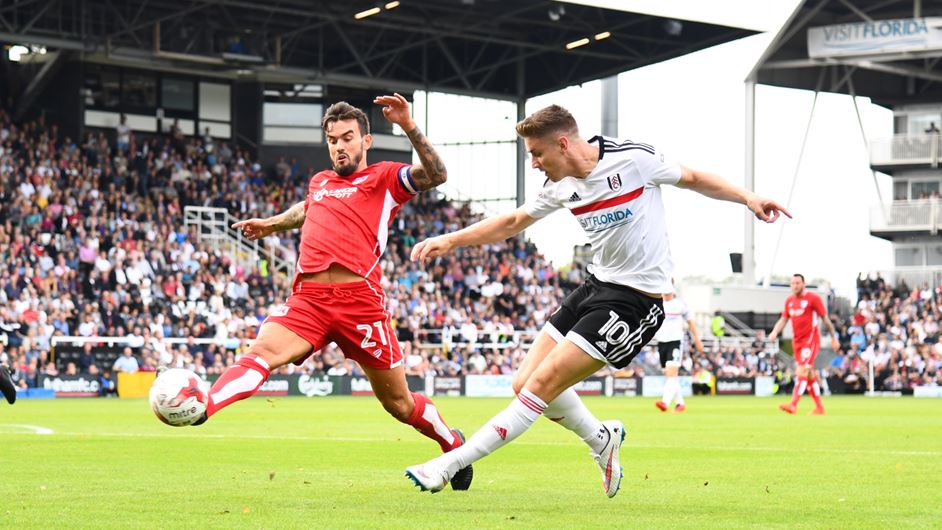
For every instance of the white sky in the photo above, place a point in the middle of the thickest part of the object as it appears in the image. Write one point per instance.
(694, 108)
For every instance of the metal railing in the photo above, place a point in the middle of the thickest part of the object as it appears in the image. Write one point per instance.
(213, 228)
(913, 276)
(906, 149)
(916, 215)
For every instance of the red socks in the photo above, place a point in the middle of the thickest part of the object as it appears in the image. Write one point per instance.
(238, 382)
(801, 384)
(815, 390)
(426, 419)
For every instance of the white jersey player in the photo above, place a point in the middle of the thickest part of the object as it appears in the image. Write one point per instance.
(671, 348)
(613, 188)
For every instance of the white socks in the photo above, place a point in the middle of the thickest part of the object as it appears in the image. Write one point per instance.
(496, 433)
(569, 411)
(672, 391)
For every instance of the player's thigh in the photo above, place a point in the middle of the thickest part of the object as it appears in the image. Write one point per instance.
(538, 351)
(565, 365)
(278, 345)
(363, 332)
(391, 389)
(553, 333)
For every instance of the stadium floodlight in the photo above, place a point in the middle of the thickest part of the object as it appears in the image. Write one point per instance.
(15, 53)
(603, 35)
(368, 13)
(392, 5)
(576, 43)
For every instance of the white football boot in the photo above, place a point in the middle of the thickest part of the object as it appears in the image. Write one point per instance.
(608, 460)
(428, 476)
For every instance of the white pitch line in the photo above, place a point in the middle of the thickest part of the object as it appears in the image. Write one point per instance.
(365, 439)
(35, 429)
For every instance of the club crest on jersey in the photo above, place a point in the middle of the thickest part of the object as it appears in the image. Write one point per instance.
(614, 182)
(341, 193)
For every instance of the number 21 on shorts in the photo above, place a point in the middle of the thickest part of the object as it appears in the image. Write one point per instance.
(368, 334)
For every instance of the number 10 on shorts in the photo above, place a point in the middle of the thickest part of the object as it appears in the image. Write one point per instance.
(368, 334)
(615, 331)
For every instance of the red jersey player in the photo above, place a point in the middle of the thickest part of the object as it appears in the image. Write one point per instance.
(804, 308)
(336, 295)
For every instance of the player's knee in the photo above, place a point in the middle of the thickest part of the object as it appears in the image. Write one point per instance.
(519, 381)
(540, 381)
(272, 357)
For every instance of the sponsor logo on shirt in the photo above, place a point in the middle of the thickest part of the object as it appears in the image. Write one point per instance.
(341, 193)
(597, 223)
(358, 180)
(574, 197)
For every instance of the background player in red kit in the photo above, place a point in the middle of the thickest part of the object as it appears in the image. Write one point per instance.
(337, 295)
(804, 308)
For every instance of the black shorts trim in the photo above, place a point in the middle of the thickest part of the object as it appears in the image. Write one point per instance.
(666, 351)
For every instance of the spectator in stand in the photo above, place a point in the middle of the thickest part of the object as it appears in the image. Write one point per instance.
(126, 362)
(123, 133)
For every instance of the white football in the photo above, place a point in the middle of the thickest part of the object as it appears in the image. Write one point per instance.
(178, 397)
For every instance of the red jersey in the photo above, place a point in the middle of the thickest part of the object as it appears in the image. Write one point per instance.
(346, 219)
(804, 312)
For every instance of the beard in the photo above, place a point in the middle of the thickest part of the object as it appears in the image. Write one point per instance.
(350, 167)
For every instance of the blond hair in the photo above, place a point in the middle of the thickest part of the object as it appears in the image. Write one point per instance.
(552, 120)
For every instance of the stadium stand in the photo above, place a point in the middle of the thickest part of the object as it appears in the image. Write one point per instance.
(94, 245)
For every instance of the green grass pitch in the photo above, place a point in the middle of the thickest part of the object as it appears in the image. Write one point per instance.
(731, 462)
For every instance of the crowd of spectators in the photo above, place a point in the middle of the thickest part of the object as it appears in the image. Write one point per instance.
(897, 327)
(93, 244)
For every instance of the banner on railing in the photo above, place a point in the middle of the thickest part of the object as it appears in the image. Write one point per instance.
(927, 391)
(488, 386)
(72, 385)
(624, 386)
(653, 385)
(735, 385)
(447, 386)
(591, 386)
(279, 385)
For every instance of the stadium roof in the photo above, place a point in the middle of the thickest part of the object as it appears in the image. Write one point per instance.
(494, 48)
(888, 79)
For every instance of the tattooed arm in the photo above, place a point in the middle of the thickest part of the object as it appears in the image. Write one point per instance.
(257, 228)
(431, 171)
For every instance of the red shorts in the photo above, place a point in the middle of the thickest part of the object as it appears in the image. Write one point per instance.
(806, 352)
(351, 314)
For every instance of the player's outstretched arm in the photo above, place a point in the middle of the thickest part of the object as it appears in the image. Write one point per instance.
(256, 228)
(695, 333)
(779, 326)
(431, 171)
(716, 187)
(490, 230)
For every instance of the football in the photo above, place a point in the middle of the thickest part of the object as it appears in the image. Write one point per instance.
(178, 397)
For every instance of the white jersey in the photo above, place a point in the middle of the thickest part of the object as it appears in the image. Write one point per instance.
(676, 313)
(620, 208)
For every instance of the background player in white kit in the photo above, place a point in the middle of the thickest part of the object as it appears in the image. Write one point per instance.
(612, 187)
(671, 347)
